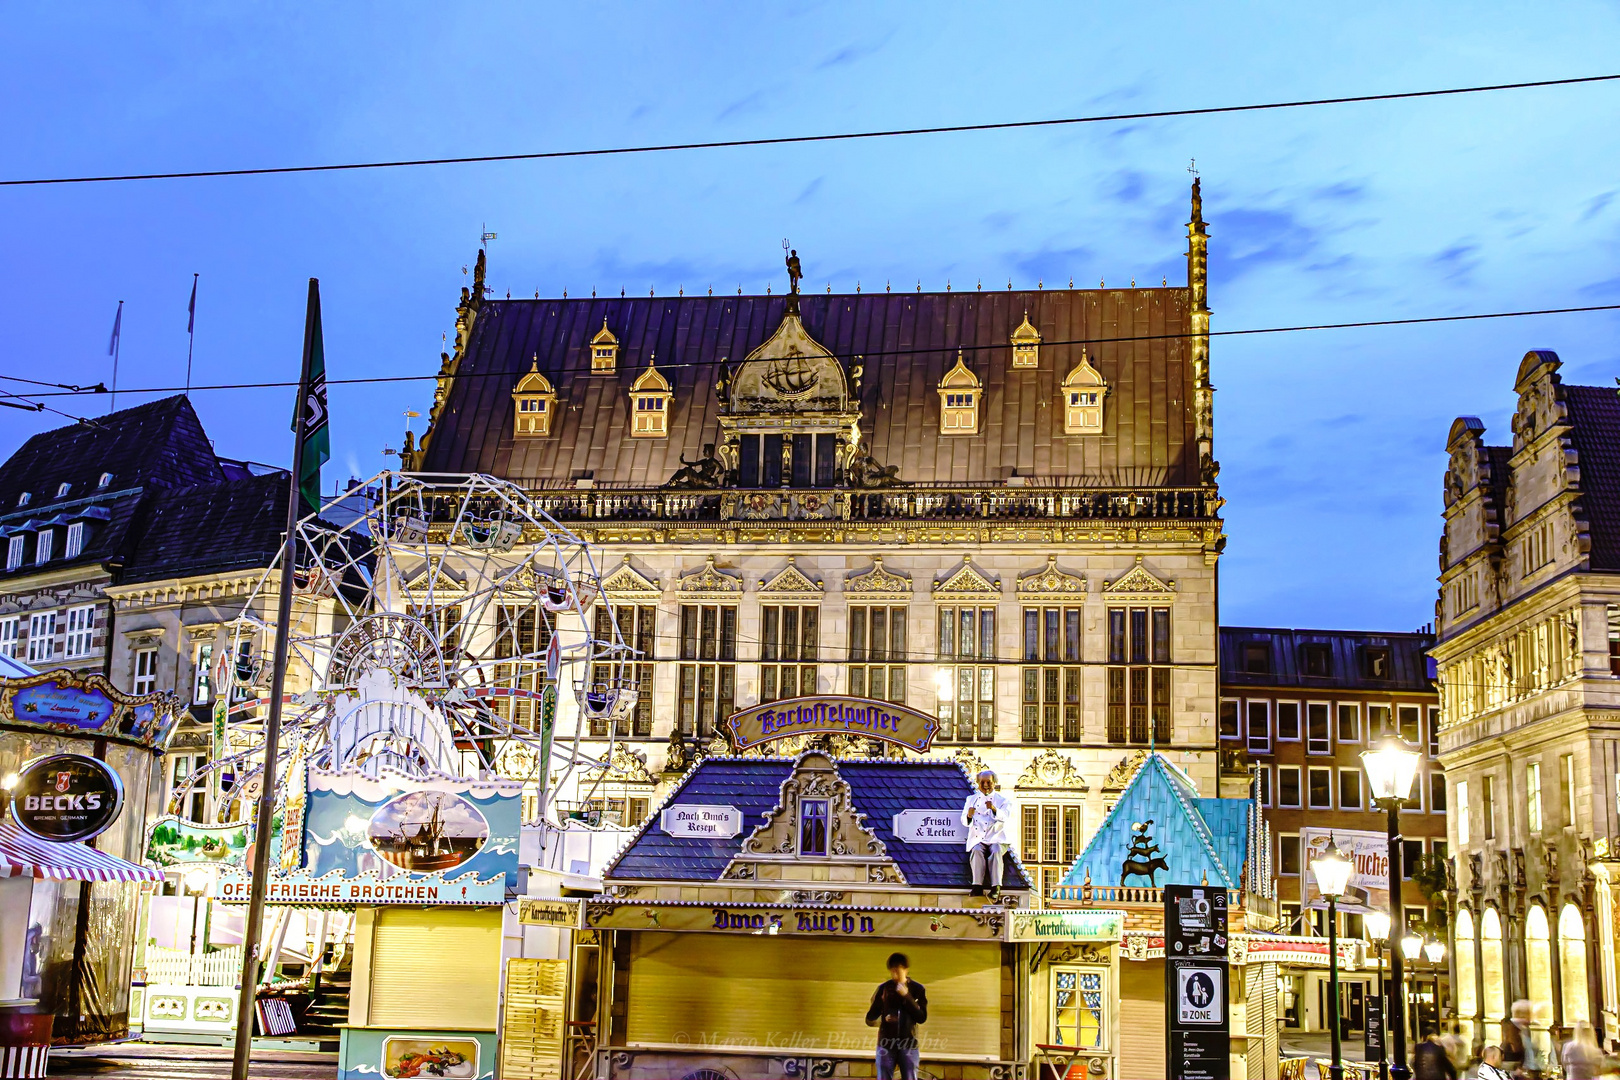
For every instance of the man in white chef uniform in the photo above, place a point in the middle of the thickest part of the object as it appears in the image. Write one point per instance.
(985, 816)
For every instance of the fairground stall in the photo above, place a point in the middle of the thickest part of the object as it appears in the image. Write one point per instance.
(746, 926)
(76, 757)
(1108, 1005)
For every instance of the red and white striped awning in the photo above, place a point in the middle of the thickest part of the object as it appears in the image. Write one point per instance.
(22, 855)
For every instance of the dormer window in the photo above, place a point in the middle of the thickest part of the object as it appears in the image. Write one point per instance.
(42, 547)
(959, 394)
(62, 489)
(25, 498)
(1026, 345)
(533, 403)
(106, 479)
(75, 540)
(812, 827)
(650, 395)
(1083, 393)
(604, 351)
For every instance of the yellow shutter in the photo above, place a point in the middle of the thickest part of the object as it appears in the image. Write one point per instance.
(436, 968)
(1141, 1018)
(704, 989)
(532, 1037)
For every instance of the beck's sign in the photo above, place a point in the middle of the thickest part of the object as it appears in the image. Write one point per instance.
(833, 716)
(66, 797)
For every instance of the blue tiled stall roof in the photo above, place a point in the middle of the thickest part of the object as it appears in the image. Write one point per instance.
(884, 788)
(1199, 839)
(751, 786)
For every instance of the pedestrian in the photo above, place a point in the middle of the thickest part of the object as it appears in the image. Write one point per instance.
(985, 816)
(1582, 1057)
(1430, 1061)
(898, 1005)
(1535, 1058)
(1490, 1065)
(1512, 1047)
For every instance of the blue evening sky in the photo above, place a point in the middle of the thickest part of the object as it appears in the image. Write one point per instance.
(1331, 443)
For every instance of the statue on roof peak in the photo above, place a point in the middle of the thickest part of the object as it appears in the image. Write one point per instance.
(795, 271)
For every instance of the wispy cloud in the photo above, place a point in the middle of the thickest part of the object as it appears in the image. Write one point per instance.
(810, 190)
(851, 53)
(746, 104)
(1457, 263)
(1598, 205)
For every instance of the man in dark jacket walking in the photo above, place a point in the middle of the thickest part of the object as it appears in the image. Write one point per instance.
(898, 1005)
(1429, 1060)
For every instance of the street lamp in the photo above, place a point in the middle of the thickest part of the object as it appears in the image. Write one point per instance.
(1412, 945)
(1390, 770)
(1435, 951)
(1332, 872)
(1376, 923)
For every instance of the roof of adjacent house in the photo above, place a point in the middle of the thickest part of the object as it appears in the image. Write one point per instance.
(1348, 667)
(905, 342)
(879, 790)
(1202, 841)
(1594, 413)
(210, 528)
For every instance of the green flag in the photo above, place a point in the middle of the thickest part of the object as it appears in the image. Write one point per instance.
(317, 442)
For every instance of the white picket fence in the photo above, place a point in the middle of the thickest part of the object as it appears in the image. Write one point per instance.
(171, 967)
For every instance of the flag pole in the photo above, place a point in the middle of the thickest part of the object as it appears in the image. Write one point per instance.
(272, 728)
(191, 329)
(117, 340)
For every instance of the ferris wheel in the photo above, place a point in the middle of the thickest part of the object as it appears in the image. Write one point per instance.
(436, 621)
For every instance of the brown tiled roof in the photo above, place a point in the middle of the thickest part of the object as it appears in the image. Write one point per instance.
(908, 341)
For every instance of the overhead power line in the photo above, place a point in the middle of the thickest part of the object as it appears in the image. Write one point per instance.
(867, 353)
(784, 140)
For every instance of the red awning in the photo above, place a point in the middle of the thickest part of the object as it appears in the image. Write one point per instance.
(22, 855)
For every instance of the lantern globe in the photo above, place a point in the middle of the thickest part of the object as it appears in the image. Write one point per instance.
(1332, 871)
(1435, 951)
(1376, 923)
(1390, 770)
(1412, 946)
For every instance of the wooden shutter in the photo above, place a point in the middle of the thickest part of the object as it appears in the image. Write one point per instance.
(436, 968)
(1141, 1018)
(532, 1037)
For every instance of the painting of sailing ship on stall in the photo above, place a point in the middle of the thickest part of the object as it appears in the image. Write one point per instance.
(428, 831)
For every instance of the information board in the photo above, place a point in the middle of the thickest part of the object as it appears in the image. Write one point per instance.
(1196, 983)
(1373, 1033)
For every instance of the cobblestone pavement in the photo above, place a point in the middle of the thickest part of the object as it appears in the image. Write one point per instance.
(171, 1062)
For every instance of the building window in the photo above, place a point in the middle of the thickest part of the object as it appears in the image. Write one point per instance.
(1532, 795)
(1320, 793)
(1262, 778)
(1229, 719)
(62, 489)
(8, 635)
(966, 693)
(1288, 720)
(1411, 724)
(1434, 733)
(1315, 657)
(1256, 658)
(1138, 694)
(1538, 547)
(524, 631)
(533, 403)
(1375, 659)
(14, 551)
(1026, 345)
(959, 400)
(41, 637)
(1050, 841)
(75, 540)
(1288, 786)
(787, 651)
(626, 811)
(1083, 393)
(145, 671)
(1378, 725)
(1487, 804)
(877, 653)
(1567, 761)
(1462, 813)
(1316, 729)
(707, 692)
(1080, 1007)
(25, 498)
(604, 351)
(42, 546)
(812, 826)
(649, 405)
(202, 675)
(1350, 789)
(1437, 794)
(1614, 628)
(1259, 726)
(106, 478)
(1411, 855)
(636, 623)
(81, 622)
(1349, 723)
(1288, 854)
(1051, 694)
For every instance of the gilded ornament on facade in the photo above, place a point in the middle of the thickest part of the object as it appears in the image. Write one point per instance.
(1052, 770)
(1051, 582)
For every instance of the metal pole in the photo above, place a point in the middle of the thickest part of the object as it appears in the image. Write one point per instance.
(1336, 1066)
(272, 727)
(1383, 1005)
(1399, 1070)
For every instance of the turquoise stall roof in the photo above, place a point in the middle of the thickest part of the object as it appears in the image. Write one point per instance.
(1201, 841)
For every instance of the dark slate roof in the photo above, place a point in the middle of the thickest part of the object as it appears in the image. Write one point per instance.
(880, 790)
(1149, 425)
(751, 786)
(1409, 663)
(211, 528)
(884, 788)
(1199, 839)
(1594, 413)
(158, 444)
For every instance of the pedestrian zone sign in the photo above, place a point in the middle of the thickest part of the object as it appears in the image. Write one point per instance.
(1198, 996)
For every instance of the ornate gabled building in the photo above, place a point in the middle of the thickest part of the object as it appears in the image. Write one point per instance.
(999, 508)
(1529, 667)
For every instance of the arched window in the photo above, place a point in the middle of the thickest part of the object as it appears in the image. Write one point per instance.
(1572, 963)
(533, 402)
(649, 404)
(1538, 954)
(1083, 393)
(959, 394)
(1467, 1003)
(1490, 939)
(604, 351)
